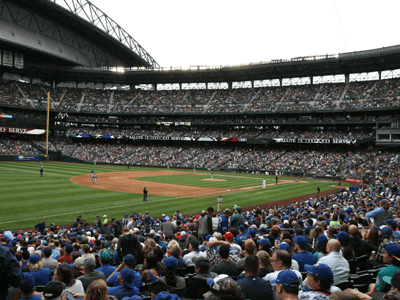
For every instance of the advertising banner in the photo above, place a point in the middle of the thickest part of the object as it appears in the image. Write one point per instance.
(26, 157)
(7, 58)
(23, 130)
(19, 61)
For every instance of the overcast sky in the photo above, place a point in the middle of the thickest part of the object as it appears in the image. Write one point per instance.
(185, 33)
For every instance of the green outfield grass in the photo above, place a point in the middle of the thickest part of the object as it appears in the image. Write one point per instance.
(26, 198)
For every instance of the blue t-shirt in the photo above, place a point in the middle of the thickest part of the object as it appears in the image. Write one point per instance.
(222, 224)
(106, 269)
(243, 236)
(122, 291)
(113, 281)
(42, 276)
(304, 258)
(34, 297)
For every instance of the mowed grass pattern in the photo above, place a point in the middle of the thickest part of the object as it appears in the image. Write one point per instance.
(26, 198)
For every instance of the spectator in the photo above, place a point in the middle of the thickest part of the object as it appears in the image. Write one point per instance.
(130, 263)
(11, 273)
(175, 284)
(225, 266)
(53, 290)
(47, 261)
(126, 287)
(97, 290)
(391, 256)
(281, 260)
(150, 272)
(303, 256)
(253, 287)
(360, 246)
(42, 275)
(105, 267)
(336, 262)
(287, 285)
(380, 214)
(129, 244)
(319, 280)
(347, 250)
(194, 252)
(158, 291)
(64, 274)
(205, 224)
(197, 285)
(27, 288)
(90, 275)
(67, 257)
(222, 288)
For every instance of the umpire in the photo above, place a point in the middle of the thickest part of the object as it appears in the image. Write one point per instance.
(145, 191)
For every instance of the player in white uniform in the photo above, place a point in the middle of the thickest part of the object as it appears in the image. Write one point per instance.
(264, 184)
(212, 174)
(219, 200)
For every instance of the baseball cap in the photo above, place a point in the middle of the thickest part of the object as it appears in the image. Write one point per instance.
(226, 286)
(211, 281)
(129, 260)
(228, 236)
(262, 229)
(53, 289)
(252, 232)
(393, 280)
(284, 246)
(241, 227)
(146, 212)
(33, 259)
(226, 211)
(105, 216)
(322, 239)
(391, 223)
(385, 201)
(393, 249)
(287, 278)
(301, 241)
(322, 271)
(29, 282)
(171, 262)
(183, 233)
(128, 276)
(387, 232)
(342, 235)
(264, 242)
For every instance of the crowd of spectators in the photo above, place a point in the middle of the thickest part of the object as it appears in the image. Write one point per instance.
(13, 146)
(344, 245)
(327, 96)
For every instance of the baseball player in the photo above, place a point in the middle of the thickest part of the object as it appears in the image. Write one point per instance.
(41, 170)
(94, 178)
(264, 183)
(219, 200)
(145, 191)
(212, 174)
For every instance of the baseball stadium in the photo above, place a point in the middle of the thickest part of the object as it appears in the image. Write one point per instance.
(93, 128)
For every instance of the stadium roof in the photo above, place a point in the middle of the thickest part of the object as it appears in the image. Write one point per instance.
(374, 60)
(82, 19)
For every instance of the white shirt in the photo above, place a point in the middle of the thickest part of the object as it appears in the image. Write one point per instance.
(187, 259)
(339, 266)
(272, 276)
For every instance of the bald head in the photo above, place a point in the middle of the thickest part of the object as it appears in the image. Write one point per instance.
(353, 231)
(333, 246)
(249, 246)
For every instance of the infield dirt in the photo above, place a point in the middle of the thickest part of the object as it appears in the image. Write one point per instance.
(127, 182)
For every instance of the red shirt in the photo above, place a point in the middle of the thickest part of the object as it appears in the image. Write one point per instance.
(66, 258)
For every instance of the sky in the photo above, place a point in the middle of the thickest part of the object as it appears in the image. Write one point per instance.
(213, 33)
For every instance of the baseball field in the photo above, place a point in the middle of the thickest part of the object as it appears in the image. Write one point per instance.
(66, 191)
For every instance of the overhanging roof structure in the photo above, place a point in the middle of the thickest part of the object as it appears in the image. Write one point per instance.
(75, 33)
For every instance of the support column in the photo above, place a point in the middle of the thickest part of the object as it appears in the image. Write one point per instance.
(230, 85)
(346, 78)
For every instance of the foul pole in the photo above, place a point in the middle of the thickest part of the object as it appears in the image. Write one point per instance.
(47, 125)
